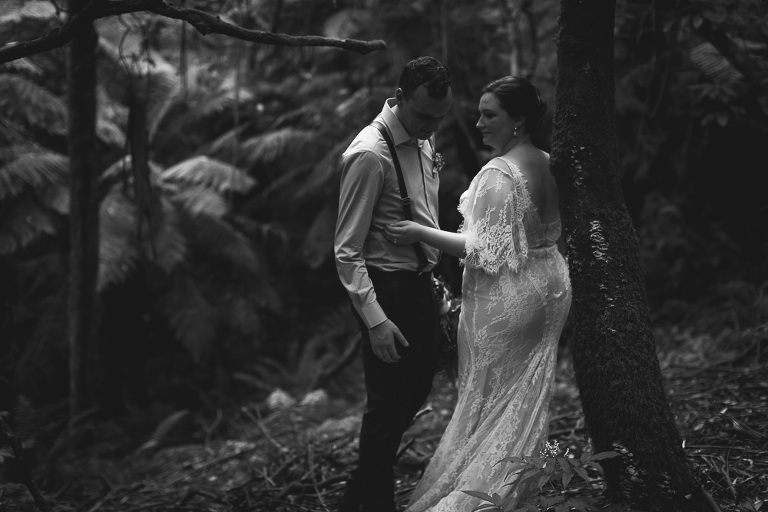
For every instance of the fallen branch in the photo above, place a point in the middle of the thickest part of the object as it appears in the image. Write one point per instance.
(203, 22)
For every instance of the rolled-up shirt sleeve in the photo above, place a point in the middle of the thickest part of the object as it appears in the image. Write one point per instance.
(362, 179)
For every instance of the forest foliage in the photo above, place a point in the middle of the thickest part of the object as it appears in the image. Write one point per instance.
(228, 285)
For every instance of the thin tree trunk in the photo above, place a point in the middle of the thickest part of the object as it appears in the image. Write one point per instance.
(616, 367)
(84, 223)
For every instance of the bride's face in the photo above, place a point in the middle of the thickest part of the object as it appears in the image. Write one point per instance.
(495, 125)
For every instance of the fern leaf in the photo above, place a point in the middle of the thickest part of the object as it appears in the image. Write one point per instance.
(305, 116)
(110, 133)
(241, 315)
(226, 96)
(31, 170)
(57, 198)
(128, 61)
(224, 146)
(189, 314)
(12, 132)
(22, 99)
(120, 250)
(22, 65)
(347, 23)
(325, 174)
(164, 93)
(220, 240)
(13, 151)
(284, 184)
(208, 172)
(24, 224)
(169, 246)
(121, 171)
(200, 200)
(118, 243)
(362, 104)
(269, 147)
(318, 244)
(162, 430)
(14, 11)
(714, 64)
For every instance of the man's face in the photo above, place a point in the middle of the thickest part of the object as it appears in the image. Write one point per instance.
(420, 113)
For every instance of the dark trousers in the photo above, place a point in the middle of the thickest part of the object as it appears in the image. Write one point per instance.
(395, 391)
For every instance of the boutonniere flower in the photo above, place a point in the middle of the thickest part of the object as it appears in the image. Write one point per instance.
(438, 162)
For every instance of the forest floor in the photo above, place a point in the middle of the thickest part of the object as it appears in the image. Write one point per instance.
(292, 453)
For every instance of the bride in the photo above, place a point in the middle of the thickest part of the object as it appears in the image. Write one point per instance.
(516, 295)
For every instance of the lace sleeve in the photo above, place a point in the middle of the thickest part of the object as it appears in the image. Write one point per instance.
(493, 209)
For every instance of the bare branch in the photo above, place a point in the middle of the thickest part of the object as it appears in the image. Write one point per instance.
(204, 23)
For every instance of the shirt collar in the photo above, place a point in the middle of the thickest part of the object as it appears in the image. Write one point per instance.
(396, 128)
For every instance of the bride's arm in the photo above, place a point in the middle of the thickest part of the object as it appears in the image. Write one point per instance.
(408, 232)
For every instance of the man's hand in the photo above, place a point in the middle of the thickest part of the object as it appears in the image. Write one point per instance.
(383, 337)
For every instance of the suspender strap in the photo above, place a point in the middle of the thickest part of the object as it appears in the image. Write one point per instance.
(404, 199)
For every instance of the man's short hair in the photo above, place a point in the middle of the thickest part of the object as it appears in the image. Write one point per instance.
(426, 71)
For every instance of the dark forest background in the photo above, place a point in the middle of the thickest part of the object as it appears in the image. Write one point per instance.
(229, 290)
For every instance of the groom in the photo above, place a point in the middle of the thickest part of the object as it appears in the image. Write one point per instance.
(390, 289)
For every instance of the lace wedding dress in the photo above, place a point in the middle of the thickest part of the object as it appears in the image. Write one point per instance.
(515, 299)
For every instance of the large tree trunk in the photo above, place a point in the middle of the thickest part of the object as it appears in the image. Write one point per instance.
(615, 363)
(84, 217)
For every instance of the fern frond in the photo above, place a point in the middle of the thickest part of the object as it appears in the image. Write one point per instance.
(121, 171)
(347, 23)
(318, 244)
(56, 198)
(164, 93)
(326, 174)
(118, 170)
(223, 147)
(225, 96)
(238, 311)
(161, 431)
(118, 242)
(169, 246)
(201, 200)
(13, 133)
(269, 147)
(363, 104)
(120, 249)
(284, 184)
(23, 224)
(13, 11)
(11, 152)
(222, 241)
(211, 173)
(190, 315)
(110, 133)
(31, 170)
(22, 99)
(323, 85)
(713, 63)
(22, 65)
(305, 116)
(134, 69)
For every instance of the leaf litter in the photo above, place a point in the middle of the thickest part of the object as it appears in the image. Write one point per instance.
(293, 454)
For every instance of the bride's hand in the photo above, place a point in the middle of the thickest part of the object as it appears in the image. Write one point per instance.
(402, 232)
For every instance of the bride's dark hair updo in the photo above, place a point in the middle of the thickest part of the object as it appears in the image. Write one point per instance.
(519, 97)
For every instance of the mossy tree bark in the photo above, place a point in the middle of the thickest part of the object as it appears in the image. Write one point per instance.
(615, 363)
(84, 216)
